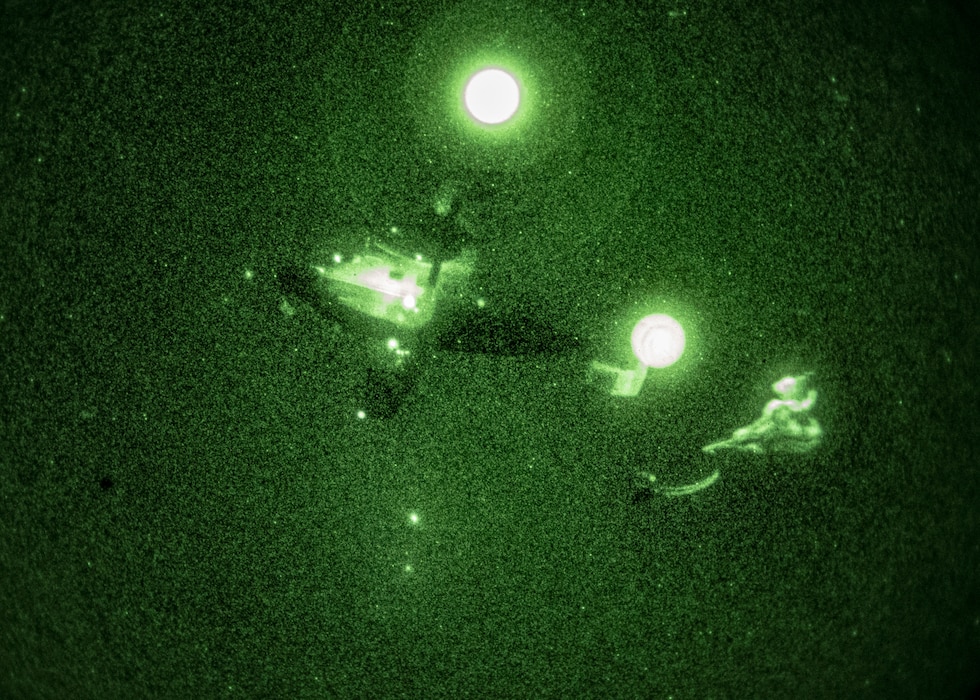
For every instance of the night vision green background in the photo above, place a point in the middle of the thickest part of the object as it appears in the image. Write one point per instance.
(188, 507)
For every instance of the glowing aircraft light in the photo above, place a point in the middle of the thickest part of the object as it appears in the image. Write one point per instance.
(492, 96)
(658, 341)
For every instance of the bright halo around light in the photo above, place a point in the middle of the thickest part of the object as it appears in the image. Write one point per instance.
(658, 341)
(492, 96)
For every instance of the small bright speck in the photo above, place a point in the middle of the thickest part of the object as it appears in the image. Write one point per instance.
(361, 415)
(413, 518)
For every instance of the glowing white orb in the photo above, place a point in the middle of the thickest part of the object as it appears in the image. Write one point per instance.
(492, 96)
(658, 340)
